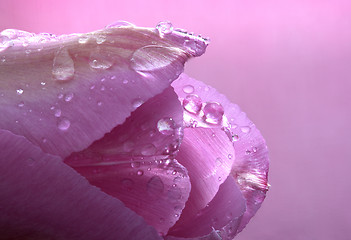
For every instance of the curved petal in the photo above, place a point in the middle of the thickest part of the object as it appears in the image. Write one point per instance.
(205, 107)
(220, 216)
(43, 198)
(208, 156)
(134, 162)
(67, 84)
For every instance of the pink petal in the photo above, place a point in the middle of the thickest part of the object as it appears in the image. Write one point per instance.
(68, 84)
(208, 156)
(43, 198)
(251, 156)
(134, 162)
(220, 218)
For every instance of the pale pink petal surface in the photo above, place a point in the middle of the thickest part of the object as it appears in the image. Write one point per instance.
(67, 84)
(43, 198)
(134, 162)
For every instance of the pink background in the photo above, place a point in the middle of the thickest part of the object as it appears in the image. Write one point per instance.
(286, 63)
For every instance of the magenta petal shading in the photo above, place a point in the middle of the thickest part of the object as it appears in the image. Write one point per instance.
(43, 198)
(208, 156)
(220, 218)
(67, 84)
(134, 162)
(251, 162)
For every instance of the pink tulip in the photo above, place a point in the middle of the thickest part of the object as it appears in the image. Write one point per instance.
(103, 137)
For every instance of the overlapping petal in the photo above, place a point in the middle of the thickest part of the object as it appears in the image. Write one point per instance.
(67, 84)
(43, 198)
(134, 162)
(206, 108)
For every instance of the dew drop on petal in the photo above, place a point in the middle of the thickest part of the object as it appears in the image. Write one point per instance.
(21, 104)
(188, 89)
(140, 172)
(245, 129)
(120, 24)
(166, 126)
(19, 91)
(155, 186)
(83, 39)
(100, 39)
(99, 61)
(135, 164)
(235, 138)
(230, 156)
(148, 150)
(64, 124)
(213, 113)
(137, 103)
(63, 66)
(69, 97)
(125, 81)
(57, 112)
(192, 103)
(164, 28)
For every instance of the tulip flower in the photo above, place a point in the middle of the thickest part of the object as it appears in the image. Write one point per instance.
(102, 136)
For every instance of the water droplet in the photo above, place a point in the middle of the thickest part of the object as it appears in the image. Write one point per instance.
(69, 97)
(100, 39)
(174, 172)
(120, 24)
(64, 124)
(219, 179)
(140, 172)
(213, 113)
(100, 61)
(192, 103)
(58, 113)
(42, 83)
(99, 103)
(155, 187)
(164, 28)
(137, 103)
(235, 138)
(148, 150)
(63, 66)
(230, 156)
(44, 140)
(219, 162)
(60, 96)
(21, 104)
(176, 215)
(254, 149)
(83, 39)
(166, 126)
(135, 164)
(125, 81)
(247, 152)
(128, 184)
(245, 129)
(128, 146)
(188, 89)
(19, 91)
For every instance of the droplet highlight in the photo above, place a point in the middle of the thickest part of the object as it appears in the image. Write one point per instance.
(63, 66)
(192, 103)
(166, 126)
(213, 113)
(64, 124)
(164, 28)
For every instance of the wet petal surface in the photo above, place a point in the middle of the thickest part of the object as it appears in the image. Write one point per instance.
(43, 198)
(250, 168)
(67, 84)
(134, 162)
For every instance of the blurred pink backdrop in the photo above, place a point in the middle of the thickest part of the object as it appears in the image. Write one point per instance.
(286, 63)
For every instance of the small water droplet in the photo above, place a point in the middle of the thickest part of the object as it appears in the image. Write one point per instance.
(213, 113)
(176, 215)
(120, 24)
(99, 103)
(166, 126)
(99, 60)
(125, 81)
(235, 138)
(245, 129)
(28, 51)
(148, 150)
(155, 187)
(83, 39)
(44, 140)
(64, 124)
(100, 39)
(137, 103)
(58, 113)
(60, 96)
(135, 164)
(188, 89)
(63, 66)
(219, 161)
(230, 156)
(128, 184)
(254, 149)
(140, 172)
(69, 97)
(192, 103)
(21, 104)
(164, 28)
(19, 91)
(42, 83)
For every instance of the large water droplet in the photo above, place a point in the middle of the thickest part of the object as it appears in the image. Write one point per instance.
(148, 150)
(188, 89)
(100, 61)
(63, 66)
(135, 164)
(235, 138)
(64, 124)
(150, 58)
(166, 126)
(164, 28)
(192, 103)
(155, 187)
(100, 39)
(120, 24)
(213, 113)
(5, 42)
